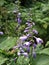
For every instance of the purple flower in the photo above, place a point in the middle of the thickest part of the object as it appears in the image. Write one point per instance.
(1, 33)
(34, 45)
(29, 24)
(28, 49)
(23, 38)
(25, 54)
(39, 40)
(35, 31)
(28, 35)
(26, 31)
(21, 50)
(19, 20)
(27, 44)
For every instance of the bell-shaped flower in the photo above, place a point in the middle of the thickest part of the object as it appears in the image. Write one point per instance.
(35, 31)
(23, 38)
(27, 44)
(39, 40)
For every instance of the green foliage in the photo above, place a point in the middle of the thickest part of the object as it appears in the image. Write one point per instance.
(22, 61)
(38, 13)
(2, 59)
(7, 43)
(47, 44)
(25, 3)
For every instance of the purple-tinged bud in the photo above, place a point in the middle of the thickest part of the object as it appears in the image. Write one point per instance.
(35, 31)
(34, 45)
(28, 49)
(23, 38)
(34, 54)
(19, 20)
(1, 33)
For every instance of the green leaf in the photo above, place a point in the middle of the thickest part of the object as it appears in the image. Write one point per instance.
(8, 43)
(2, 2)
(42, 59)
(2, 59)
(47, 44)
(45, 51)
(23, 60)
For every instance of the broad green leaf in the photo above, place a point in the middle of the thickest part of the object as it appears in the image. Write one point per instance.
(45, 51)
(8, 43)
(42, 59)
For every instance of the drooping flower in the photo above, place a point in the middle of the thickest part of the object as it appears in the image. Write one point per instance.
(39, 40)
(23, 38)
(1, 33)
(34, 45)
(35, 31)
(27, 44)
(21, 50)
(19, 20)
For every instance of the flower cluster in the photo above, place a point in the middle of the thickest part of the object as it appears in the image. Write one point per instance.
(26, 40)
